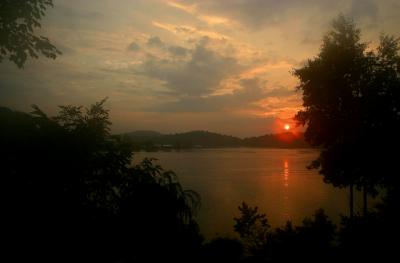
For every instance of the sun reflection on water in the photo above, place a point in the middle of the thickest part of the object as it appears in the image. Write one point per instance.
(286, 190)
(286, 173)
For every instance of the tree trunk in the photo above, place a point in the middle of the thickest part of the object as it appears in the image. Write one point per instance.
(351, 201)
(365, 196)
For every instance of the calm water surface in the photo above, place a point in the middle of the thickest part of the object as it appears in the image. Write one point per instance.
(275, 180)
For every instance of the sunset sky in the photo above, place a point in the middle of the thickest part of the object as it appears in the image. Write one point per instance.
(174, 66)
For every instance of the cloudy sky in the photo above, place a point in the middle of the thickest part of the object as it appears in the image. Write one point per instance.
(180, 65)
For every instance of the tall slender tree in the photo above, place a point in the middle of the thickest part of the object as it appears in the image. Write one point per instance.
(350, 99)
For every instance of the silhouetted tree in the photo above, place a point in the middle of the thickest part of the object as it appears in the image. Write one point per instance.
(312, 241)
(371, 238)
(18, 21)
(351, 108)
(223, 250)
(71, 189)
(252, 227)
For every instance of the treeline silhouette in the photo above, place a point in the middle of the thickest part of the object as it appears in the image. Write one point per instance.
(154, 141)
(362, 238)
(72, 193)
(351, 100)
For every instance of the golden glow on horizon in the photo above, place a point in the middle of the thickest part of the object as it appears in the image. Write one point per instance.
(287, 127)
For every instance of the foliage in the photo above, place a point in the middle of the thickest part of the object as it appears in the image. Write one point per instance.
(352, 107)
(310, 241)
(222, 249)
(153, 141)
(369, 238)
(18, 22)
(252, 227)
(68, 178)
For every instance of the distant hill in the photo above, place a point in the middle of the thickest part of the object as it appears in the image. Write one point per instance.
(152, 140)
(280, 140)
(199, 138)
(142, 136)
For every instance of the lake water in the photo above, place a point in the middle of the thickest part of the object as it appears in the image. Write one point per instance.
(275, 180)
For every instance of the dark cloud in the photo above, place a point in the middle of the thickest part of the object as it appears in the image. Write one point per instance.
(364, 9)
(61, 84)
(177, 81)
(72, 13)
(280, 92)
(255, 14)
(178, 51)
(191, 82)
(251, 91)
(155, 42)
(71, 17)
(133, 47)
(200, 75)
(308, 39)
(66, 50)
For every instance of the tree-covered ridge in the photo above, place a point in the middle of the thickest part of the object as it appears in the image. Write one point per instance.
(199, 139)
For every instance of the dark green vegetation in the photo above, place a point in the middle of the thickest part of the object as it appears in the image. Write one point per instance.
(72, 193)
(351, 96)
(18, 21)
(153, 141)
(71, 190)
(280, 140)
(367, 238)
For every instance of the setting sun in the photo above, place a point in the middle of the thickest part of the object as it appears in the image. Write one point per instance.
(287, 127)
